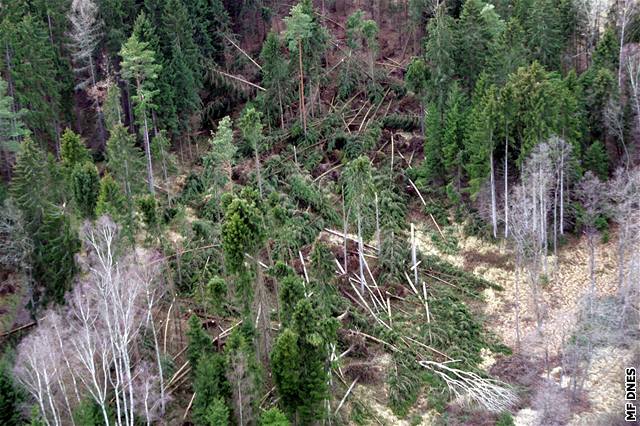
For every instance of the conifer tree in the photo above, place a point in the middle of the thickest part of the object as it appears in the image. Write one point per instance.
(219, 160)
(275, 77)
(439, 49)
(433, 166)
(417, 81)
(217, 413)
(160, 145)
(139, 66)
(199, 342)
(250, 124)
(474, 40)
(453, 134)
(29, 182)
(596, 160)
(209, 384)
(299, 30)
(55, 245)
(112, 108)
(12, 129)
(10, 397)
(111, 200)
(274, 417)
(31, 64)
(118, 17)
(241, 232)
(72, 153)
(85, 185)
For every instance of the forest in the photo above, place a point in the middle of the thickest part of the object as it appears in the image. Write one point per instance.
(319, 212)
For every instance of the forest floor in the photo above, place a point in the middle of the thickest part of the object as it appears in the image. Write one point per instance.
(563, 291)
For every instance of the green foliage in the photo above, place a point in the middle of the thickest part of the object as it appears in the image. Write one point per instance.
(112, 110)
(72, 153)
(29, 183)
(10, 397)
(210, 384)
(596, 159)
(241, 232)
(125, 161)
(505, 419)
(56, 244)
(475, 39)
(149, 208)
(440, 49)
(198, 341)
(275, 77)
(11, 127)
(274, 417)
(304, 190)
(160, 153)
(291, 292)
(216, 292)
(88, 413)
(395, 121)
(85, 185)
(404, 386)
(433, 166)
(453, 133)
(111, 200)
(217, 413)
(285, 358)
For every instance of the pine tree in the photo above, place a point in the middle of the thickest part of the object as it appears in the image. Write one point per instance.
(72, 153)
(139, 66)
(85, 184)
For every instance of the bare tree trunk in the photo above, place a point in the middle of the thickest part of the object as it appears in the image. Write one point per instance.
(494, 218)
(147, 149)
(360, 254)
(303, 114)
(506, 184)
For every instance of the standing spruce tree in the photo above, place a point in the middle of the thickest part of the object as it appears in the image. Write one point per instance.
(358, 190)
(10, 397)
(12, 130)
(55, 245)
(453, 134)
(85, 184)
(241, 232)
(299, 30)
(111, 200)
(118, 17)
(298, 363)
(218, 161)
(30, 175)
(480, 143)
(139, 66)
(439, 50)
(475, 41)
(72, 153)
(275, 77)
(417, 81)
(251, 127)
(160, 153)
(210, 384)
(32, 72)
(183, 61)
(125, 162)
